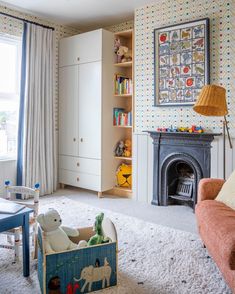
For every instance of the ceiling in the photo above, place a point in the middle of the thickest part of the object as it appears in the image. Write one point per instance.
(83, 14)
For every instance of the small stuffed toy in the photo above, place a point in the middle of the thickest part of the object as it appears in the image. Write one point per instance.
(98, 238)
(127, 152)
(119, 149)
(124, 175)
(117, 44)
(124, 53)
(56, 236)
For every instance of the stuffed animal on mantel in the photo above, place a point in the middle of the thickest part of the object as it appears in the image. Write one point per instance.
(57, 236)
(125, 54)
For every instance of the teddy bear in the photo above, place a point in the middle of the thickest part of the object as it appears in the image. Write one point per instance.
(125, 54)
(127, 152)
(57, 236)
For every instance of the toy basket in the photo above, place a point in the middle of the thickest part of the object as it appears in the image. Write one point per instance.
(77, 271)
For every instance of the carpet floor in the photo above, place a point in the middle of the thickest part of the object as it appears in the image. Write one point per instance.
(152, 258)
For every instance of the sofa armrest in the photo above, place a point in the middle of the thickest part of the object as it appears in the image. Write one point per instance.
(208, 189)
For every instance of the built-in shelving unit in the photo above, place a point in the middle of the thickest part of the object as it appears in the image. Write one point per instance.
(124, 64)
(123, 93)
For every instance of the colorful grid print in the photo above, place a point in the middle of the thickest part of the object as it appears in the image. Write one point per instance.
(181, 60)
(164, 13)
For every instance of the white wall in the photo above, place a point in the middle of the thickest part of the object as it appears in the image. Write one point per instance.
(143, 172)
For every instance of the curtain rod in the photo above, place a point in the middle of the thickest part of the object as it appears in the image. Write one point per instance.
(25, 20)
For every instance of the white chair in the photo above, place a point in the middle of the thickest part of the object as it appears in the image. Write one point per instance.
(25, 195)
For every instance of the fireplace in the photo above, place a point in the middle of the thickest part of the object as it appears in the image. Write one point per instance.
(180, 161)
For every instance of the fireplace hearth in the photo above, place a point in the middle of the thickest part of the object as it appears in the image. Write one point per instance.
(180, 161)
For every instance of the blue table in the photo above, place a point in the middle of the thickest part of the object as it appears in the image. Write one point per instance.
(11, 221)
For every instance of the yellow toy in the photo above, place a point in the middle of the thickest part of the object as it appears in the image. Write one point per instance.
(124, 175)
(127, 152)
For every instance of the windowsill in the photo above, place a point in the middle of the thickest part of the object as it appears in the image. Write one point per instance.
(5, 159)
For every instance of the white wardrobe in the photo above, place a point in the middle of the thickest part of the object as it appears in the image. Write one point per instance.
(85, 111)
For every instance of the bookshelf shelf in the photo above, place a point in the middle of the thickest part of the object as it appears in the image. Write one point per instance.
(124, 64)
(126, 34)
(124, 189)
(122, 95)
(123, 158)
(127, 127)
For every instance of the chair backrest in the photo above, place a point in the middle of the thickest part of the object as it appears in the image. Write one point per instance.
(26, 192)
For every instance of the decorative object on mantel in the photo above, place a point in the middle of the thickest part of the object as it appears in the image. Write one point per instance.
(192, 129)
(212, 102)
(181, 54)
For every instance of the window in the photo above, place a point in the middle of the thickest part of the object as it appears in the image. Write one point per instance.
(10, 56)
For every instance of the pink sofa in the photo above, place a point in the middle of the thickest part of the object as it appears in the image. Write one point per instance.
(216, 225)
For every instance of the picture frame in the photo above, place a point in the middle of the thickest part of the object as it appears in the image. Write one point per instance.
(181, 62)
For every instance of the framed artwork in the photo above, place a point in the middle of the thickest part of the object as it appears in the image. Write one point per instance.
(181, 66)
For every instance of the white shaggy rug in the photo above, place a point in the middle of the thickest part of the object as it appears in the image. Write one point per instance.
(152, 258)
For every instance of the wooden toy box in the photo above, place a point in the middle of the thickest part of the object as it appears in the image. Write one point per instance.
(77, 271)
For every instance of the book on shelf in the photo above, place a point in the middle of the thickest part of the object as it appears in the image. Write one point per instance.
(123, 85)
(121, 117)
(10, 207)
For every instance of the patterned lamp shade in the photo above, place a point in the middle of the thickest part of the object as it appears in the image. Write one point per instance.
(211, 101)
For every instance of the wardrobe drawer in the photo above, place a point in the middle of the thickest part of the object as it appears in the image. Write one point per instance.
(79, 164)
(82, 180)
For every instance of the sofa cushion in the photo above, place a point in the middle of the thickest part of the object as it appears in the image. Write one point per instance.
(227, 193)
(216, 223)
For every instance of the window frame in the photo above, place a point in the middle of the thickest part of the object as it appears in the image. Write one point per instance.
(13, 96)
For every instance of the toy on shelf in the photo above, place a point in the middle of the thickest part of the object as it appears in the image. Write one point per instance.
(162, 129)
(124, 53)
(127, 151)
(124, 175)
(119, 149)
(195, 129)
(117, 44)
(183, 129)
(57, 236)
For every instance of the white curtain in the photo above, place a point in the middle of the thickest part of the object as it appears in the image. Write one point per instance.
(39, 147)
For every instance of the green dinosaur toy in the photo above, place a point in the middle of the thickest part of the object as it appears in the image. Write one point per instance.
(98, 238)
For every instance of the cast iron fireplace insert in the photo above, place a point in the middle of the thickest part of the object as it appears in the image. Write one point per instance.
(180, 161)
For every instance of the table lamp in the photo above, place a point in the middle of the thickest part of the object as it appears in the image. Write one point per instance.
(212, 102)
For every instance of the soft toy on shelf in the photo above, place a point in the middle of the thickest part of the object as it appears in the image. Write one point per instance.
(125, 54)
(124, 175)
(127, 152)
(117, 44)
(119, 149)
(56, 236)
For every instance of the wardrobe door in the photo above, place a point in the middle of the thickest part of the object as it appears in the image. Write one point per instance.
(89, 107)
(81, 48)
(68, 110)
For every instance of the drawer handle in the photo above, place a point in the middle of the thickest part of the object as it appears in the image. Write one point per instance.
(74, 139)
(77, 179)
(78, 164)
(81, 140)
(78, 59)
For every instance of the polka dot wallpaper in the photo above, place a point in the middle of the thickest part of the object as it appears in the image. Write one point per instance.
(222, 60)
